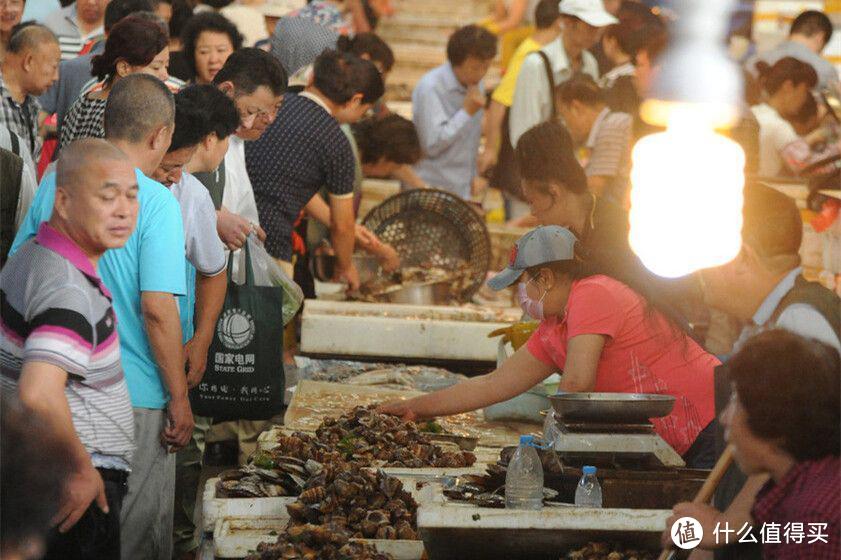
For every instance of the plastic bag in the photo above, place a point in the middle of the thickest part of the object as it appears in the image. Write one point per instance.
(268, 273)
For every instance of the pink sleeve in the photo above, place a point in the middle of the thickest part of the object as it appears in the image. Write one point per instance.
(535, 345)
(597, 305)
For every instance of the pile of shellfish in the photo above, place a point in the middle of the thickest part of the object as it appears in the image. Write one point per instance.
(359, 502)
(609, 551)
(283, 471)
(365, 436)
(362, 436)
(284, 479)
(315, 542)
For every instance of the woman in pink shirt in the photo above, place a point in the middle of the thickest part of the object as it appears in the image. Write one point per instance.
(601, 334)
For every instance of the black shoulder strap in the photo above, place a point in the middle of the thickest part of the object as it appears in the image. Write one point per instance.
(550, 77)
(11, 173)
(821, 299)
(15, 143)
(214, 182)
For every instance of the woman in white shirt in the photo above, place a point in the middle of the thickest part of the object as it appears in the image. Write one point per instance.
(786, 86)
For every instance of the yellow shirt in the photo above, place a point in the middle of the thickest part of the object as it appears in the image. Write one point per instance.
(504, 93)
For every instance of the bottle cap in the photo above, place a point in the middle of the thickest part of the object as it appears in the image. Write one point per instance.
(589, 470)
(526, 440)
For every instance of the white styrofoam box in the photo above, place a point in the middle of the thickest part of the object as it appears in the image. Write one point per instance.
(455, 531)
(330, 291)
(453, 515)
(236, 538)
(214, 509)
(401, 331)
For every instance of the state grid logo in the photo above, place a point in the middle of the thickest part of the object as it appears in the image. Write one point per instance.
(235, 329)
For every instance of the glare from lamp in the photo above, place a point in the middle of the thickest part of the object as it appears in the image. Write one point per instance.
(696, 71)
(717, 115)
(686, 197)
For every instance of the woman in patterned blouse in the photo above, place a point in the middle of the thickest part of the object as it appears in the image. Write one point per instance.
(135, 44)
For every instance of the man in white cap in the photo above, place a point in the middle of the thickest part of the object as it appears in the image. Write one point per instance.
(555, 63)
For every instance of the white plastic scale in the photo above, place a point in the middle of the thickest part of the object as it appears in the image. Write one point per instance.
(615, 427)
(618, 443)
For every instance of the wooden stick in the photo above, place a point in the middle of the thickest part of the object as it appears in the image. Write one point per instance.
(706, 492)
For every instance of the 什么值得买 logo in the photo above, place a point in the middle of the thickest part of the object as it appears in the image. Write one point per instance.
(235, 329)
(687, 533)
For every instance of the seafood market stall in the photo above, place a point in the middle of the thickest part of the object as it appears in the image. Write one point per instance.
(340, 480)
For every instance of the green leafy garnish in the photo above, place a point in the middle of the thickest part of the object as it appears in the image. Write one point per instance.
(431, 427)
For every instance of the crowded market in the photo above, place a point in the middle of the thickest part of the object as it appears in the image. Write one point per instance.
(415, 279)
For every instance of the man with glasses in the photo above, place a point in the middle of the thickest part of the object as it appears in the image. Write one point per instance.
(256, 82)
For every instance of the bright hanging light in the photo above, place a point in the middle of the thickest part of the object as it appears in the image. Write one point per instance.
(686, 182)
(686, 198)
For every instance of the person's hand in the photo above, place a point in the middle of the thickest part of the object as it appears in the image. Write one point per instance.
(487, 159)
(195, 359)
(365, 237)
(180, 423)
(261, 233)
(349, 276)
(399, 408)
(83, 487)
(388, 258)
(233, 229)
(705, 514)
(474, 100)
(478, 186)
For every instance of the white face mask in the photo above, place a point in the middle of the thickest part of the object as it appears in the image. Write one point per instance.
(531, 307)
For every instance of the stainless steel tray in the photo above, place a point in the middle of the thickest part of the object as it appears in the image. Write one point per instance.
(615, 408)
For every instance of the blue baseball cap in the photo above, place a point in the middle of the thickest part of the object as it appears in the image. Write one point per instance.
(539, 246)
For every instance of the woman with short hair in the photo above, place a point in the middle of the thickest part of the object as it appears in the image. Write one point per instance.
(207, 40)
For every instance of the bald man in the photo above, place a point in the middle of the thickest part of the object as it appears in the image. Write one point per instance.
(28, 70)
(145, 277)
(60, 348)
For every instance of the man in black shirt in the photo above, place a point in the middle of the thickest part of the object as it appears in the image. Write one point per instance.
(305, 149)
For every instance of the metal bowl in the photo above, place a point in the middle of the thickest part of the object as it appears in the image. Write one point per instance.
(618, 408)
(435, 293)
(324, 267)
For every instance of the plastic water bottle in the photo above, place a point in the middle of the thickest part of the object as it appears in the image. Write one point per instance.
(589, 492)
(550, 430)
(524, 479)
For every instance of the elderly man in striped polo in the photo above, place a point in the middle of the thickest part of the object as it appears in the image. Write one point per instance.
(60, 351)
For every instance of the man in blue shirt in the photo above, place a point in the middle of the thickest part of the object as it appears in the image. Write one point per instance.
(448, 105)
(144, 276)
